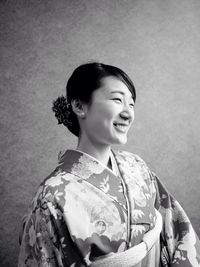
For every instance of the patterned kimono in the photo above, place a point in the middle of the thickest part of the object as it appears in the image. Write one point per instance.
(83, 211)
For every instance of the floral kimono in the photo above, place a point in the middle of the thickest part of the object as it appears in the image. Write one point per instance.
(84, 211)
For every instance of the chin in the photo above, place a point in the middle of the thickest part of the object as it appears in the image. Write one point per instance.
(117, 140)
(121, 141)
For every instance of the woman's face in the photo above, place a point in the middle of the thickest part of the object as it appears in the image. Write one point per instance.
(110, 114)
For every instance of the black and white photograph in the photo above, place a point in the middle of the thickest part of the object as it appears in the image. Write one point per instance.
(100, 133)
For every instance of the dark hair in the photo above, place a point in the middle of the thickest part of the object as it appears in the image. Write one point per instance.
(83, 82)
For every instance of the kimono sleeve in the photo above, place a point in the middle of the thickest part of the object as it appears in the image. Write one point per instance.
(181, 241)
(45, 238)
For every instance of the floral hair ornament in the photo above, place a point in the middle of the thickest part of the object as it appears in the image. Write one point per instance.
(63, 111)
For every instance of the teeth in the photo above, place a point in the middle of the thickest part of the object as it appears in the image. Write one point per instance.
(121, 127)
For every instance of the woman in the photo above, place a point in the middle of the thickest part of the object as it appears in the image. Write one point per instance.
(101, 207)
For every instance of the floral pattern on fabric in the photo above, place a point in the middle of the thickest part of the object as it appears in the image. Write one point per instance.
(183, 245)
(83, 211)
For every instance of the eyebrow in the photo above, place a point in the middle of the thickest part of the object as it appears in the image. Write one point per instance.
(120, 92)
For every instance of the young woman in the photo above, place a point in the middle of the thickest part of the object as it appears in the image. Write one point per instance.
(101, 207)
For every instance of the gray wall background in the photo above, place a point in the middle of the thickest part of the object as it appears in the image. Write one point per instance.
(157, 42)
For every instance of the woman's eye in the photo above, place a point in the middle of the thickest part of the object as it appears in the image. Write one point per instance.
(131, 105)
(118, 100)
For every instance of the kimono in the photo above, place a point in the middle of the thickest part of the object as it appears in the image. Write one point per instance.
(83, 212)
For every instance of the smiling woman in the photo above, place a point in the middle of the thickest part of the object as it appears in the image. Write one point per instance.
(101, 207)
(107, 118)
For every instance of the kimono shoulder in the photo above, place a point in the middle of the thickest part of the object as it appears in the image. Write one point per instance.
(45, 239)
(58, 178)
(131, 157)
(132, 161)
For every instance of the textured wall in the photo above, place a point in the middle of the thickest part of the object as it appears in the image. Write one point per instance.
(156, 42)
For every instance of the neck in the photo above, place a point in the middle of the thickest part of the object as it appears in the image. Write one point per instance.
(100, 152)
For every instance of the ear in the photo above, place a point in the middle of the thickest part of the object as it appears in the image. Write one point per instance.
(79, 108)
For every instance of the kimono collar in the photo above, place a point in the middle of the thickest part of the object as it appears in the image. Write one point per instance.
(86, 168)
(132, 190)
(72, 157)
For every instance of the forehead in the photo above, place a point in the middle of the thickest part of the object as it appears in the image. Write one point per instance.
(111, 84)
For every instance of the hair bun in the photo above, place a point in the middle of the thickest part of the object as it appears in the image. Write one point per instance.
(63, 111)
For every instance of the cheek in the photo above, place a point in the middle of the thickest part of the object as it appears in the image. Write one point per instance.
(104, 113)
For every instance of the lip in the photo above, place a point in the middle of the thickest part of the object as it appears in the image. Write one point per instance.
(121, 127)
(121, 123)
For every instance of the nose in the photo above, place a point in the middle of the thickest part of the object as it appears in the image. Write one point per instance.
(127, 113)
(127, 117)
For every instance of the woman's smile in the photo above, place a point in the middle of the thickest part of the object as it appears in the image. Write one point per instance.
(123, 128)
